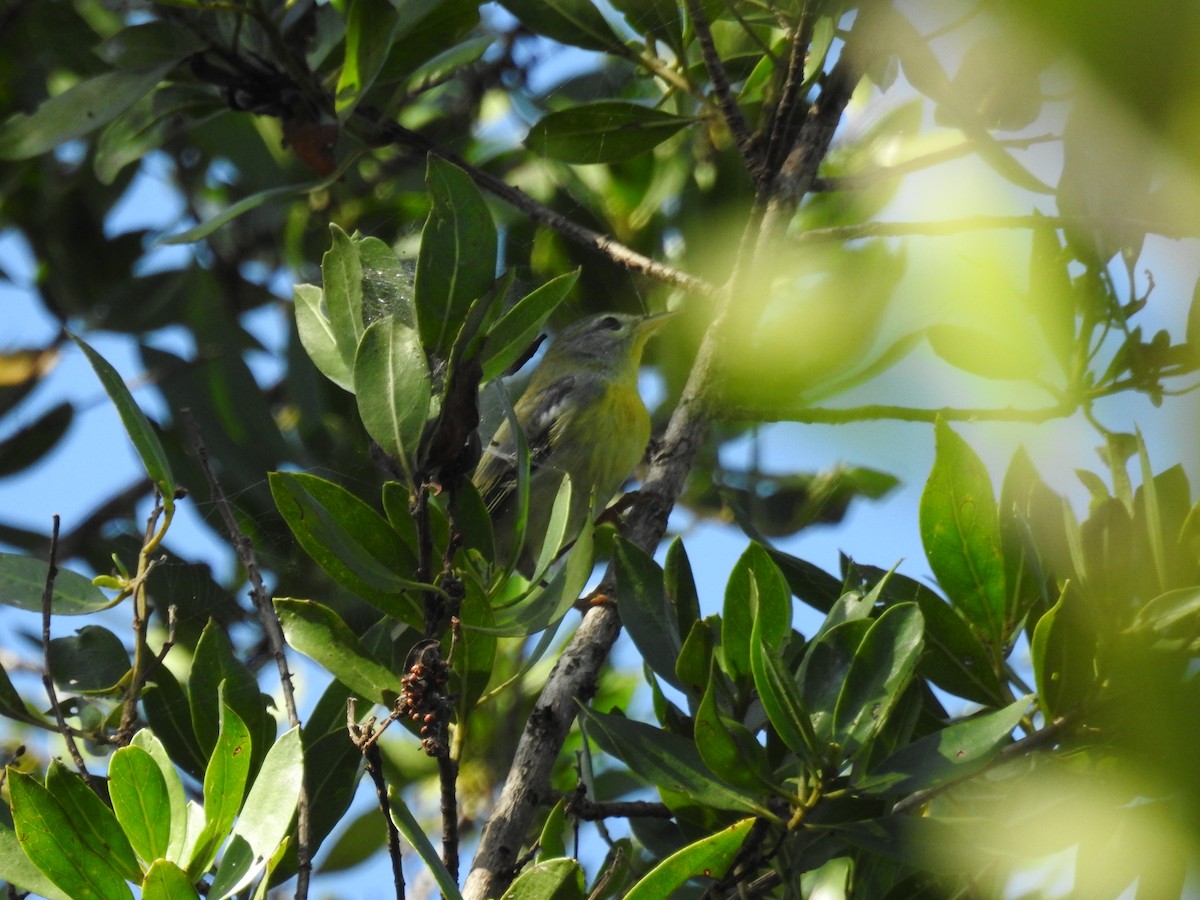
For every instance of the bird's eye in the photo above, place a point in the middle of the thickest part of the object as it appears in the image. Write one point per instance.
(612, 323)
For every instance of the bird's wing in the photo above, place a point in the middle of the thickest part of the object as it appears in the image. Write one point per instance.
(543, 413)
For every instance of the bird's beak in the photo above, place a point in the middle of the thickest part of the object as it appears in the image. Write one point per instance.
(652, 323)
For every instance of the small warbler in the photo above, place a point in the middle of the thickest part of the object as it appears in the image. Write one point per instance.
(582, 416)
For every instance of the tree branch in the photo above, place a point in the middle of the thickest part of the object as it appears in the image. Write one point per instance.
(271, 628)
(877, 411)
(387, 133)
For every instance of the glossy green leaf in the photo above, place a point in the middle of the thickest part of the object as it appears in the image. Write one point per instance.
(140, 802)
(575, 22)
(645, 611)
(93, 660)
(517, 329)
(53, 843)
(224, 787)
(76, 112)
(170, 718)
(961, 533)
(321, 635)
(726, 746)
(553, 879)
(137, 426)
(823, 672)
(882, 666)
(349, 540)
(605, 131)
(97, 825)
(18, 870)
(551, 843)
(342, 280)
(780, 696)
(695, 657)
(953, 753)
(370, 27)
(956, 659)
(680, 586)
(412, 831)
(166, 881)
(1166, 612)
(23, 580)
(668, 761)
(756, 590)
(1063, 650)
(449, 62)
(265, 817)
(709, 857)
(457, 261)
(393, 387)
(177, 800)
(214, 664)
(318, 338)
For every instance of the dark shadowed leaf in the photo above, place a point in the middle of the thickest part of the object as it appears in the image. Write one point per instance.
(645, 611)
(23, 579)
(602, 132)
(575, 22)
(93, 660)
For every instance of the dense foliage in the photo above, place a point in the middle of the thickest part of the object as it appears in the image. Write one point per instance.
(438, 183)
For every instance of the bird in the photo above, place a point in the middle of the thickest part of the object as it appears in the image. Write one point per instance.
(583, 417)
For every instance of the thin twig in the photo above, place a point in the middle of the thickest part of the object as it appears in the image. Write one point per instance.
(151, 538)
(448, 780)
(271, 629)
(953, 227)
(790, 100)
(47, 679)
(366, 738)
(590, 811)
(726, 102)
(386, 133)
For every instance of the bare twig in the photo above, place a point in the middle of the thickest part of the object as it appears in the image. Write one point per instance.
(271, 629)
(47, 679)
(448, 781)
(366, 738)
(726, 102)
(151, 538)
(590, 811)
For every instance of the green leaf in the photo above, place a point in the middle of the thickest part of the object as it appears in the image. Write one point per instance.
(780, 697)
(575, 22)
(23, 579)
(823, 671)
(139, 798)
(156, 43)
(92, 661)
(18, 870)
(214, 664)
(695, 657)
(321, 635)
(553, 879)
(76, 112)
(13, 705)
(137, 426)
(178, 805)
(951, 754)
(983, 353)
(393, 387)
(97, 825)
(727, 746)
(246, 204)
(449, 62)
(517, 329)
(882, 666)
(415, 835)
(551, 843)
(224, 787)
(605, 131)
(53, 843)
(370, 28)
(349, 540)
(342, 279)
(961, 533)
(756, 589)
(956, 659)
(154, 120)
(1063, 650)
(170, 719)
(318, 338)
(680, 585)
(668, 761)
(645, 612)
(709, 857)
(266, 816)
(166, 881)
(810, 583)
(457, 261)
